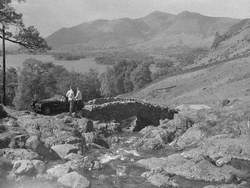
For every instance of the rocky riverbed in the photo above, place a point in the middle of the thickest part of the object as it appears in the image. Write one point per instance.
(200, 147)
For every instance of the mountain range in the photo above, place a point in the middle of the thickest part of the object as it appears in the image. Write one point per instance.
(154, 32)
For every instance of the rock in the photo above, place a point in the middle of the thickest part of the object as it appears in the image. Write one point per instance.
(39, 166)
(160, 179)
(180, 124)
(18, 154)
(74, 180)
(64, 149)
(121, 171)
(59, 170)
(3, 113)
(224, 146)
(201, 170)
(152, 138)
(191, 137)
(77, 165)
(224, 160)
(74, 157)
(67, 119)
(75, 161)
(24, 167)
(35, 144)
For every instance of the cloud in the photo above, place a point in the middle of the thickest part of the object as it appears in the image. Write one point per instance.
(50, 15)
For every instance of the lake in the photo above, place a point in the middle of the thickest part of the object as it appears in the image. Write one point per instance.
(82, 65)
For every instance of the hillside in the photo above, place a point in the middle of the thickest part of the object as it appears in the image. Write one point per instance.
(232, 44)
(156, 30)
(228, 80)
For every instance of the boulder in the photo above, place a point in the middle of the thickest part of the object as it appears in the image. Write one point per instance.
(201, 170)
(40, 166)
(24, 167)
(59, 170)
(35, 144)
(74, 180)
(68, 119)
(73, 157)
(180, 124)
(18, 154)
(63, 150)
(152, 138)
(160, 179)
(82, 124)
(193, 136)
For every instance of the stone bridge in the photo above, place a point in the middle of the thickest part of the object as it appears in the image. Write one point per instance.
(108, 109)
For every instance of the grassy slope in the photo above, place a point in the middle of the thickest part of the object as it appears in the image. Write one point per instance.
(208, 86)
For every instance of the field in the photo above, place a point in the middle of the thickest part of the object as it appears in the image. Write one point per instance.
(82, 65)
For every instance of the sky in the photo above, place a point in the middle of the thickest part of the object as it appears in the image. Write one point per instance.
(51, 15)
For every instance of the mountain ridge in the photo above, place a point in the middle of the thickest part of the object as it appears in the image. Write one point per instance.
(148, 32)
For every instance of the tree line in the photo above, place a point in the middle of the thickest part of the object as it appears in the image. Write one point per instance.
(42, 80)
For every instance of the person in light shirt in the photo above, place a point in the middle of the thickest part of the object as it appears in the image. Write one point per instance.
(71, 98)
(78, 99)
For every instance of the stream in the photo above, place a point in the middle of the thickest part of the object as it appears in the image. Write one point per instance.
(120, 171)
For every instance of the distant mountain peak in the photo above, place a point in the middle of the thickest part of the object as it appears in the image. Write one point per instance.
(188, 14)
(160, 13)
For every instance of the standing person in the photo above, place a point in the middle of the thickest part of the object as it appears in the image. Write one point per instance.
(78, 99)
(70, 96)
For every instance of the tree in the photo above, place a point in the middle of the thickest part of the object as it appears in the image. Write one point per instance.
(11, 85)
(44, 80)
(125, 76)
(141, 76)
(27, 37)
(36, 80)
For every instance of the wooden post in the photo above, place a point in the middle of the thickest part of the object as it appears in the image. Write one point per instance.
(4, 65)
